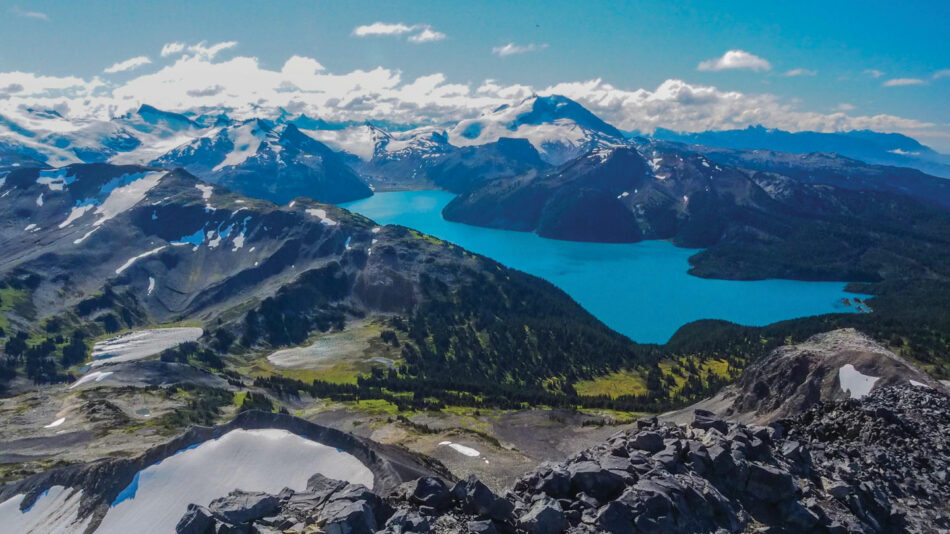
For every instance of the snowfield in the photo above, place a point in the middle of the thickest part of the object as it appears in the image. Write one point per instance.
(855, 383)
(140, 344)
(252, 460)
(54, 512)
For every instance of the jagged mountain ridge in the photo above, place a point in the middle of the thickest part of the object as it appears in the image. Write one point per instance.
(122, 246)
(661, 190)
(872, 147)
(262, 160)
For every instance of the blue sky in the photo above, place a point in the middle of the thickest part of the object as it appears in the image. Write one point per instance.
(845, 53)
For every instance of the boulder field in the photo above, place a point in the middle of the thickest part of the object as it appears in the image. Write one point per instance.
(876, 464)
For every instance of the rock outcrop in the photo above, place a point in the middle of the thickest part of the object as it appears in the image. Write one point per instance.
(793, 378)
(877, 464)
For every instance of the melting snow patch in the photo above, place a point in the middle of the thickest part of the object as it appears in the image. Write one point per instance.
(132, 260)
(55, 511)
(246, 139)
(56, 423)
(141, 344)
(254, 460)
(39, 200)
(151, 286)
(195, 239)
(322, 215)
(30, 228)
(855, 383)
(95, 376)
(238, 242)
(206, 191)
(123, 198)
(919, 384)
(56, 180)
(467, 451)
(77, 212)
(84, 237)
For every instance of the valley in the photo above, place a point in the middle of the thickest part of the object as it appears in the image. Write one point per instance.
(641, 290)
(278, 296)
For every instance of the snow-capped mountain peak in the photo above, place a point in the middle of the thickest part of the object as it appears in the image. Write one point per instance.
(558, 127)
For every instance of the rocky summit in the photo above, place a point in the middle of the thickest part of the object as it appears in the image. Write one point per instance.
(877, 464)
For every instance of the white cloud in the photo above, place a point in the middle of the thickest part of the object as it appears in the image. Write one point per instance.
(170, 49)
(31, 85)
(422, 33)
(512, 48)
(38, 15)
(874, 73)
(898, 82)
(800, 72)
(427, 35)
(844, 106)
(381, 28)
(128, 64)
(944, 73)
(735, 59)
(209, 52)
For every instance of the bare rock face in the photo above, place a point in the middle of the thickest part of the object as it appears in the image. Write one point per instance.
(836, 365)
(878, 464)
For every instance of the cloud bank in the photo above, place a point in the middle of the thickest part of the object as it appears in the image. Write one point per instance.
(196, 79)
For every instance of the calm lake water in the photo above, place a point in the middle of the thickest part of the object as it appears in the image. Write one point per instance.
(641, 290)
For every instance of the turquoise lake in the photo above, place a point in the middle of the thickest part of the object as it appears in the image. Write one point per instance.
(641, 290)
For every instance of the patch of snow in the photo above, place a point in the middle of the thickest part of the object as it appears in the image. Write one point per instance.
(55, 180)
(141, 344)
(56, 511)
(84, 237)
(95, 376)
(206, 191)
(30, 227)
(247, 140)
(39, 200)
(292, 202)
(124, 197)
(855, 383)
(467, 451)
(377, 229)
(56, 423)
(357, 140)
(195, 239)
(919, 384)
(238, 242)
(75, 213)
(322, 215)
(705, 163)
(151, 286)
(213, 239)
(254, 460)
(624, 194)
(132, 260)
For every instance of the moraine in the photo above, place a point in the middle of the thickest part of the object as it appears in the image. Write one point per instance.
(641, 290)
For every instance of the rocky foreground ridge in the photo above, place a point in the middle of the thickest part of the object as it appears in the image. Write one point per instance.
(879, 464)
